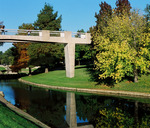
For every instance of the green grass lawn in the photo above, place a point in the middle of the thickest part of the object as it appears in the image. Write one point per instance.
(2, 68)
(9, 119)
(82, 80)
(27, 70)
(58, 78)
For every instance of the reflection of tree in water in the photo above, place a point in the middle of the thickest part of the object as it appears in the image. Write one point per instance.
(48, 107)
(112, 112)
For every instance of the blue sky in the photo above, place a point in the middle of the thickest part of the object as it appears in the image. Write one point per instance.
(76, 14)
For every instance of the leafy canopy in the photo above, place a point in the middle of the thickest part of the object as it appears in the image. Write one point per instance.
(122, 48)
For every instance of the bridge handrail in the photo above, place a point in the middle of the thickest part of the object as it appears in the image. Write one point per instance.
(38, 33)
(79, 35)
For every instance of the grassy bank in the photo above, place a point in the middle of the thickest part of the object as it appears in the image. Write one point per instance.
(9, 119)
(82, 80)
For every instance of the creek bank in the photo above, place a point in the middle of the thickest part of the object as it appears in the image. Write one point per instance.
(20, 112)
(11, 76)
(91, 91)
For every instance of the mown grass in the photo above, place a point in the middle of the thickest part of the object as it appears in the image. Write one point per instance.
(58, 78)
(9, 119)
(2, 68)
(82, 80)
(27, 70)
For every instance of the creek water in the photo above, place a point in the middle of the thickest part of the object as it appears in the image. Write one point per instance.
(53, 107)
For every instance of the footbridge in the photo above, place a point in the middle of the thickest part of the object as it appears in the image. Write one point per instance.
(45, 36)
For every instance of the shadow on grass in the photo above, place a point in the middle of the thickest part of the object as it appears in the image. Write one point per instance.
(94, 76)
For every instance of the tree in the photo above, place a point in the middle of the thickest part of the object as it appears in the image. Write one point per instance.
(47, 19)
(21, 57)
(44, 53)
(147, 16)
(122, 48)
(7, 57)
(28, 26)
(104, 14)
(82, 52)
(1, 26)
(1, 55)
(123, 6)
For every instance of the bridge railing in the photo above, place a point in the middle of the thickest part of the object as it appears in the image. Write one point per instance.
(19, 32)
(25, 32)
(57, 34)
(79, 35)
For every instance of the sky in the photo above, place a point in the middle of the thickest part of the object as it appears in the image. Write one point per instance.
(76, 14)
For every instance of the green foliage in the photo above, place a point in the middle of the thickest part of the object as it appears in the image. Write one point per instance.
(1, 55)
(26, 26)
(122, 48)
(2, 68)
(147, 11)
(45, 54)
(147, 16)
(7, 57)
(83, 53)
(47, 19)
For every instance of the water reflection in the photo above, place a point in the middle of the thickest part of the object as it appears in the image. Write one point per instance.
(71, 112)
(9, 91)
(61, 109)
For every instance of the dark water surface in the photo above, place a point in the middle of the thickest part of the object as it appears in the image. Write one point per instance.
(53, 107)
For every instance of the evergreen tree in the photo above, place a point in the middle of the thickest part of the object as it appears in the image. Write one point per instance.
(48, 20)
(43, 53)
(147, 16)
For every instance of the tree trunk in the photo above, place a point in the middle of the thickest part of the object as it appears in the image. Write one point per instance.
(135, 76)
(79, 62)
(46, 70)
(29, 71)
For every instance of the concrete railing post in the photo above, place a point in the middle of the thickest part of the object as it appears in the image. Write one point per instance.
(71, 110)
(69, 55)
(45, 35)
(88, 37)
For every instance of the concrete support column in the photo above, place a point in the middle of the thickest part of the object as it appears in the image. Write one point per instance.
(69, 55)
(71, 110)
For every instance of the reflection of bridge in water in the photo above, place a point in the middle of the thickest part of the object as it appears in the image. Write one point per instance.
(71, 112)
(45, 36)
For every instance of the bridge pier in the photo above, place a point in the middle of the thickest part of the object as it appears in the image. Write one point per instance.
(69, 50)
(69, 59)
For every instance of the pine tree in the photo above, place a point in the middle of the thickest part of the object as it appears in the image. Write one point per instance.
(48, 20)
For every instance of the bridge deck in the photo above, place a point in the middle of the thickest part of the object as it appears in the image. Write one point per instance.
(45, 36)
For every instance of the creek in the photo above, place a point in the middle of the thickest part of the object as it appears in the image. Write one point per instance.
(53, 107)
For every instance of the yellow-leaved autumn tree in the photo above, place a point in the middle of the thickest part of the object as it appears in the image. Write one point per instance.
(123, 49)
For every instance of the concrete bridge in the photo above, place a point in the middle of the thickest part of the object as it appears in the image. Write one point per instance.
(45, 36)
